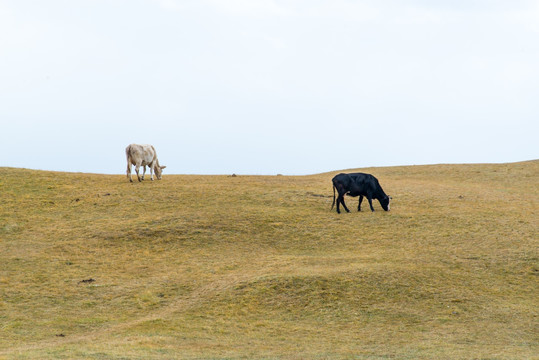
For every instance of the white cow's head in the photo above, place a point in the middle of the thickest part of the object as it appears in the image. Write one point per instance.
(159, 171)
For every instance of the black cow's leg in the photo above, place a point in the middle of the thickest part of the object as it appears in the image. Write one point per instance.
(339, 196)
(343, 204)
(370, 202)
(359, 205)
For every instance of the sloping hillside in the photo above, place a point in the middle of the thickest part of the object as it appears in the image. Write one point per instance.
(207, 267)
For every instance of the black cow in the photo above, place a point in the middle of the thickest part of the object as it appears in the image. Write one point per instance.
(358, 184)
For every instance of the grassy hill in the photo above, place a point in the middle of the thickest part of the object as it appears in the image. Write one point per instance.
(222, 267)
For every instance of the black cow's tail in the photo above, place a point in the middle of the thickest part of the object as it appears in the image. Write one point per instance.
(333, 197)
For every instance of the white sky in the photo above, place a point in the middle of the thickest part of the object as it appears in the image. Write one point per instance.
(267, 86)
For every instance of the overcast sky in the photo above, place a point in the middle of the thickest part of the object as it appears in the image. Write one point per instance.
(267, 86)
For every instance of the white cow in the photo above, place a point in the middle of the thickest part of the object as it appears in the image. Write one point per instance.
(143, 155)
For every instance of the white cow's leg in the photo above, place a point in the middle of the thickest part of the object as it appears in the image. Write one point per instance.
(129, 172)
(137, 166)
(143, 171)
(151, 172)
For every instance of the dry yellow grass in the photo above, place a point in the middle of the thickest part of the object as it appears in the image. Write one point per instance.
(221, 267)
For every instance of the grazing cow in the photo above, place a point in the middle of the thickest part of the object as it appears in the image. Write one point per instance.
(143, 155)
(358, 184)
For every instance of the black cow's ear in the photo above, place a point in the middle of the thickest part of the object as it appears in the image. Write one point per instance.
(390, 198)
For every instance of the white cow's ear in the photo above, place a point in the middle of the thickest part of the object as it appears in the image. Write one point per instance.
(162, 167)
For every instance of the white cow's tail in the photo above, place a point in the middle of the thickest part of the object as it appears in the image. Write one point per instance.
(127, 152)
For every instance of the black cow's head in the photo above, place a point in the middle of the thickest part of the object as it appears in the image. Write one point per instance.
(385, 203)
